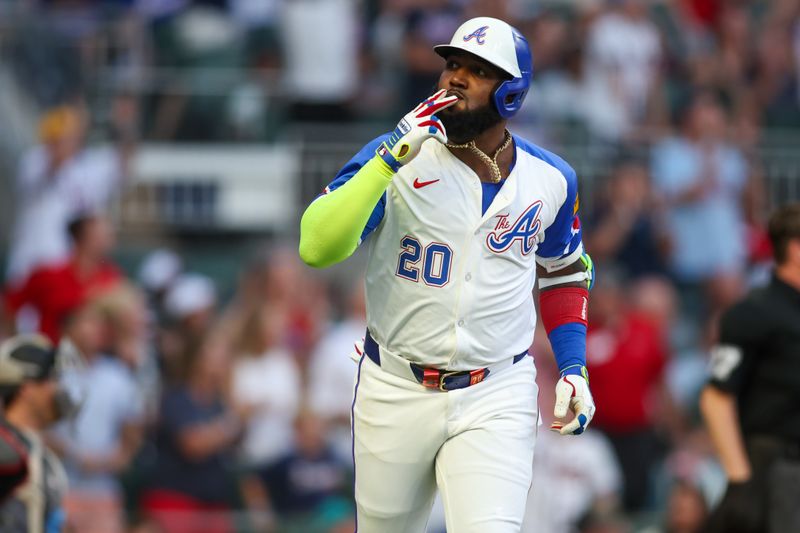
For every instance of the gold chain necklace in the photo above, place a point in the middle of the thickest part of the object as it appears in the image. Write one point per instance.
(491, 162)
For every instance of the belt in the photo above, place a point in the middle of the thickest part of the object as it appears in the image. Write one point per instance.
(434, 378)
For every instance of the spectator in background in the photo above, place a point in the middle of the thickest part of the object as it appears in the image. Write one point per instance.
(278, 280)
(192, 483)
(157, 272)
(692, 462)
(604, 524)
(33, 397)
(287, 288)
(307, 488)
(625, 228)
(189, 306)
(686, 509)
(655, 299)
(626, 356)
(251, 114)
(714, 54)
(332, 370)
(131, 342)
(776, 87)
(318, 34)
(556, 108)
(100, 443)
(623, 61)
(560, 91)
(260, 19)
(571, 477)
(702, 179)
(57, 180)
(735, 58)
(195, 37)
(266, 378)
(56, 291)
(426, 24)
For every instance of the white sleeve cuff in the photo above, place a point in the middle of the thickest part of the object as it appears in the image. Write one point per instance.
(551, 264)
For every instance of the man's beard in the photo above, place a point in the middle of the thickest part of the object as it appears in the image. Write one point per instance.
(464, 126)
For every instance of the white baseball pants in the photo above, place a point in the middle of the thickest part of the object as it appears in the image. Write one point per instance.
(476, 444)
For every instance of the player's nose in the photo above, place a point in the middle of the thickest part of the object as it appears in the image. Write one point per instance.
(458, 79)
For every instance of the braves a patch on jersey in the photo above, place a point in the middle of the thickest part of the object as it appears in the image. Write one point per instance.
(448, 285)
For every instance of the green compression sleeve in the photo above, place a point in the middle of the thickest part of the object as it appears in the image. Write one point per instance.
(333, 223)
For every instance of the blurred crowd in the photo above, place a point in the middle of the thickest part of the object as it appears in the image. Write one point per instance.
(615, 71)
(215, 412)
(200, 415)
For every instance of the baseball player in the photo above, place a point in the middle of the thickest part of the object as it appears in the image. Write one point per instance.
(463, 217)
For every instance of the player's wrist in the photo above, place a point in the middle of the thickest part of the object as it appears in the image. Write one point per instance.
(575, 370)
(386, 163)
(379, 167)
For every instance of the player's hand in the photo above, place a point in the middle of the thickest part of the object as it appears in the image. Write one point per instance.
(740, 511)
(572, 394)
(414, 129)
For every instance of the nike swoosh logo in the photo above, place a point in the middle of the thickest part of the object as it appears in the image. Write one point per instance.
(420, 184)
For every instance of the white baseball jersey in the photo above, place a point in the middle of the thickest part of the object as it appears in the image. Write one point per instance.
(447, 285)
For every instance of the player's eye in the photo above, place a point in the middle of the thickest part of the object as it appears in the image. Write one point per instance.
(451, 64)
(480, 72)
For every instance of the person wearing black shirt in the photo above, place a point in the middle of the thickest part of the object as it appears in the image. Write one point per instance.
(751, 403)
(192, 483)
(306, 490)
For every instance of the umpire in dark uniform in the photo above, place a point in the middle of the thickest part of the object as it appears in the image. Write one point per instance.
(751, 403)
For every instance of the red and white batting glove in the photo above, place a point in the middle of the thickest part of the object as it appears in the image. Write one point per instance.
(572, 394)
(414, 129)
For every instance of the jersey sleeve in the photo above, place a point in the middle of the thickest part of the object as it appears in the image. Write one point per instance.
(349, 170)
(563, 237)
(733, 356)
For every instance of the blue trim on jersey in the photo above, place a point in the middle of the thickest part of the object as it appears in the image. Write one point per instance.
(569, 347)
(490, 190)
(349, 170)
(559, 237)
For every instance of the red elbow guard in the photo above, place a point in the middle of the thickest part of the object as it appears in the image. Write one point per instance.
(567, 305)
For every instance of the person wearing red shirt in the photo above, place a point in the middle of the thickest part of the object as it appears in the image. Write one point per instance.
(55, 291)
(626, 357)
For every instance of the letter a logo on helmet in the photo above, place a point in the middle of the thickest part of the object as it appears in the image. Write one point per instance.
(479, 35)
(503, 46)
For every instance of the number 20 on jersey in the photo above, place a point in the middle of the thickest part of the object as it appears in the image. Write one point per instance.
(436, 260)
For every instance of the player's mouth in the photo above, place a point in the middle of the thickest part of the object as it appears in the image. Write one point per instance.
(461, 103)
(456, 93)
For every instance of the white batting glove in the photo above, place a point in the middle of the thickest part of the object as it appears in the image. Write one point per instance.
(572, 393)
(414, 129)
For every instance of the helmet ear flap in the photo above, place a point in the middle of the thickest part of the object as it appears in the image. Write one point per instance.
(510, 94)
(508, 97)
